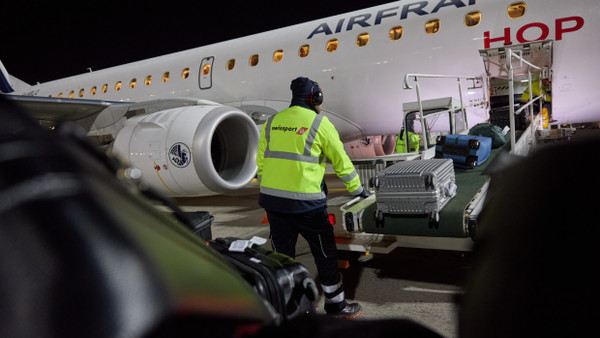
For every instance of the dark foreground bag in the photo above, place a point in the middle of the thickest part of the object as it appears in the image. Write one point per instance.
(283, 282)
(466, 151)
(85, 254)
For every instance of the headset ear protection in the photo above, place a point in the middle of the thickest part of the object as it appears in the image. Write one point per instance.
(316, 95)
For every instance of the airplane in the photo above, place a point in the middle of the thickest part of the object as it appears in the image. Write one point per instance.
(189, 120)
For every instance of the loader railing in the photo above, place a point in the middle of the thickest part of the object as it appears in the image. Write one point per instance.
(458, 78)
(510, 55)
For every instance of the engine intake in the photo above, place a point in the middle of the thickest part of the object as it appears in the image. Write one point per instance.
(191, 151)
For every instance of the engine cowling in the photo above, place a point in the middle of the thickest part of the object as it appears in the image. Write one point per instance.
(191, 151)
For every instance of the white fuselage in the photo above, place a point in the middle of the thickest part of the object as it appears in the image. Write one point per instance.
(363, 85)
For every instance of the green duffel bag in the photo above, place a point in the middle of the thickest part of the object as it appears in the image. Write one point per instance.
(491, 131)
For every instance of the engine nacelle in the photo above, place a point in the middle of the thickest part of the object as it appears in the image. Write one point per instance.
(371, 146)
(191, 151)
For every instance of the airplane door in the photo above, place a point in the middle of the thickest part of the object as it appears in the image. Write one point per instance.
(205, 73)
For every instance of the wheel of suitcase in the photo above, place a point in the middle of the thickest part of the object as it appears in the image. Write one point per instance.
(472, 162)
(434, 219)
(474, 144)
(378, 218)
(374, 182)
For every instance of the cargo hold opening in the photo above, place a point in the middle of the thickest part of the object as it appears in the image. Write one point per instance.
(538, 53)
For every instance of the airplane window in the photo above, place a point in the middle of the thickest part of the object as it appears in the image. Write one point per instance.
(304, 51)
(132, 83)
(253, 60)
(148, 80)
(165, 77)
(362, 40)
(432, 26)
(278, 55)
(118, 86)
(71, 94)
(81, 92)
(93, 91)
(396, 33)
(185, 73)
(104, 88)
(517, 10)
(206, 69)
(472, 19)
(332, 45)
(230, 64)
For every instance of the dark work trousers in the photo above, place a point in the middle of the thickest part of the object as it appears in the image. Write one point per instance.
(316, 229)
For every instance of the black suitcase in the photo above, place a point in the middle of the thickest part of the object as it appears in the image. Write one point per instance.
(200, 222)
(284, 283)
(501, 117)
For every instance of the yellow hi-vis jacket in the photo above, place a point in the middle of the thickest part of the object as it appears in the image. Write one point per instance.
(535, 84)
(292, 152)
(414, 141)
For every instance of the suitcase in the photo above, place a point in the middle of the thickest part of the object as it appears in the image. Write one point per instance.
(418, 187)
(466, 151)
(200, 222)
(284, 283)
(501, 117)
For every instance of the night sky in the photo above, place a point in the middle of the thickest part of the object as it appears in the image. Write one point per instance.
(55, 39)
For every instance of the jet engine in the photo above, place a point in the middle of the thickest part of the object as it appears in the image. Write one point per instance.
(191, 151)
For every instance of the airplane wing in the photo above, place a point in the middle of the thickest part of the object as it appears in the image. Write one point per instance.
(87, 112)
(58, 109)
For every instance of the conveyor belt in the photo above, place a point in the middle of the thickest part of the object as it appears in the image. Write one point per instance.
(452, 218)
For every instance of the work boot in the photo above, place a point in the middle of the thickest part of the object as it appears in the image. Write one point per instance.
(351, 310)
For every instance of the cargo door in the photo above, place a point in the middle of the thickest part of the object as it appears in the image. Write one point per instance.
(205, 73)
(539, 53)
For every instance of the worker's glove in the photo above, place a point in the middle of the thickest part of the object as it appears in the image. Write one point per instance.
(365, 193)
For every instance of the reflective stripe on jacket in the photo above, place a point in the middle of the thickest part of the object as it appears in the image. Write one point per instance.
(292, 152)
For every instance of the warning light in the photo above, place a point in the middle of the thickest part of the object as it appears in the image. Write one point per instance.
(332, 219)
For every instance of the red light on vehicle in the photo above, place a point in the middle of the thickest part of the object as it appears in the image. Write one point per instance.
(332, 219)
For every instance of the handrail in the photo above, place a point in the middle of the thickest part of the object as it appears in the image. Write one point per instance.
(436, 76)
(510, 54)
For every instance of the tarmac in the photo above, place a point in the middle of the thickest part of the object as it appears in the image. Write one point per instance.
(423, 285)
(417, 284)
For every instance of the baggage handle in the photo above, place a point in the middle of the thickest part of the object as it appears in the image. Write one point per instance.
(310, 289)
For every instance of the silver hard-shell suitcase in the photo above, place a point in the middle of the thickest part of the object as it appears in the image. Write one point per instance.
(419, 187)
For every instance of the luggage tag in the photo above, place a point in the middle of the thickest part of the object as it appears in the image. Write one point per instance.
(241, 244)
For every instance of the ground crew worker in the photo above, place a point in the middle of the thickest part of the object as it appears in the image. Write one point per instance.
(413, 142)
(546, 106)
(413, 138)
(292, 152)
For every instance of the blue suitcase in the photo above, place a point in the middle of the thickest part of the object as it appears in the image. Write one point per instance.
(466, 151)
